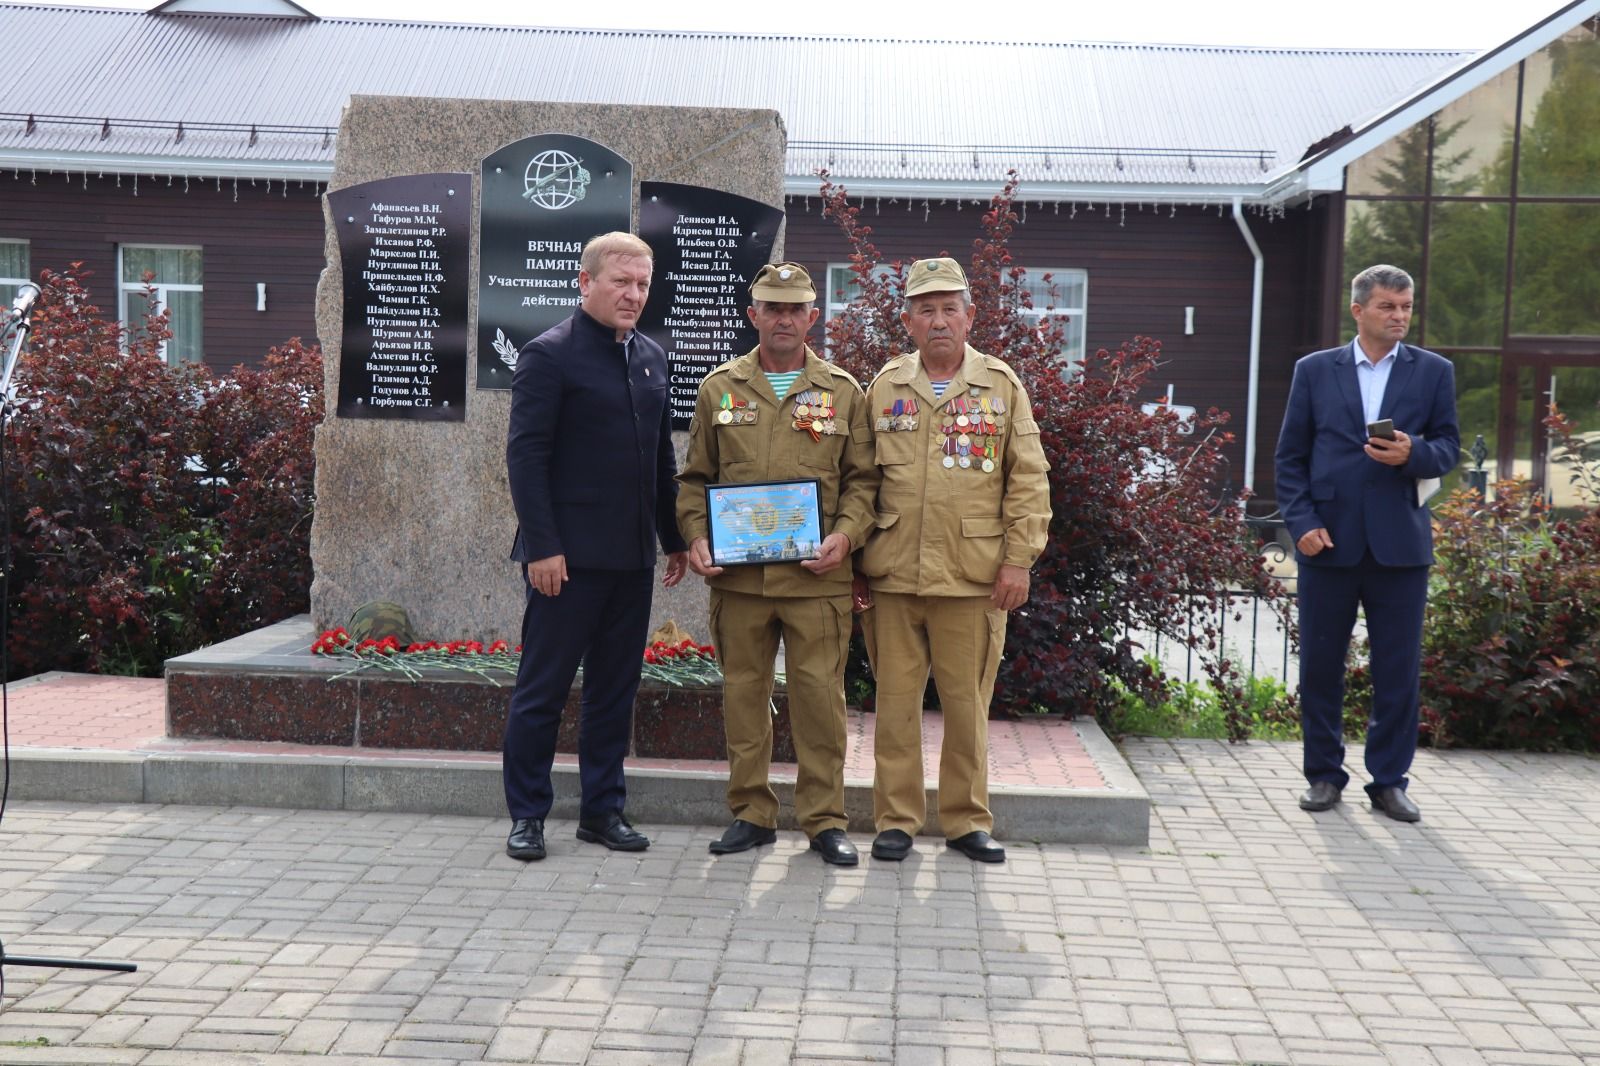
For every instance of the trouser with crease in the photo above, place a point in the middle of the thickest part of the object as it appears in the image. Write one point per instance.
(600, 619)
(1393, 599)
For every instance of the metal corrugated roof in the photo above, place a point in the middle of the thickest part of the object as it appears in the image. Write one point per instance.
(893, 113)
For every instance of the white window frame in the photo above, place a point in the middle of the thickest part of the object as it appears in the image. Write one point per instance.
(127, 288)
(833, 303)
(1079, 314)
(9, 285)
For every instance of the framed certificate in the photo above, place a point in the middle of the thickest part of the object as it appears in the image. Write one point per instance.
(763, 522)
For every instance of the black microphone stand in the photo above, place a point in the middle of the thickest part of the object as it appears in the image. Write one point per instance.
(7, 408)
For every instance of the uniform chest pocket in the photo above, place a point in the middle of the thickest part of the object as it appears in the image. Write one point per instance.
(737, 442)
(821, 454)
(897, 449)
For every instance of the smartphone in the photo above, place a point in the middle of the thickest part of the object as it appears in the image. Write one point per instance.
(1384, 428)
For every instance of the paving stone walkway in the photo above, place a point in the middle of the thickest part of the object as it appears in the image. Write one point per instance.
(1248, 932)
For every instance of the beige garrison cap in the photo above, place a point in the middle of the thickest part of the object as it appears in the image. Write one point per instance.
(785, 283)
(934, 275)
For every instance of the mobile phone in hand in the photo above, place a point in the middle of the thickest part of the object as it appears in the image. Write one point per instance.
(1384, 428)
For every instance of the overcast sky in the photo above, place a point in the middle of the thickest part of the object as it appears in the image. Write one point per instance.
(1469, 24)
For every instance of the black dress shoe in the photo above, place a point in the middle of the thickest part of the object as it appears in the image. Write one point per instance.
(978, 846)
(892, 845)
(1396, 804)
(1321, 796)
(835, 848)
(526, 841)
(613, 831)
(742, 836)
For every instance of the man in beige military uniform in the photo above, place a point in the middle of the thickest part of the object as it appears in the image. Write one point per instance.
(963, 513)
(776, 413)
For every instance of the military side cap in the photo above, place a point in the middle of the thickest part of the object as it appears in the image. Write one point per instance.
(784, 283)
(379, 619)
(935, 275)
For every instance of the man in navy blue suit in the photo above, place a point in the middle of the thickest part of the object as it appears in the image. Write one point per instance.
(1363, 534)
(589, 456)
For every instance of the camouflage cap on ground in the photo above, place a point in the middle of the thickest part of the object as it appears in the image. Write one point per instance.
(379, 619)
(784, 283)
(934, 275)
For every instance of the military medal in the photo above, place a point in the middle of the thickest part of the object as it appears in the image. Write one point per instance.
(813, 413)
(725, 416)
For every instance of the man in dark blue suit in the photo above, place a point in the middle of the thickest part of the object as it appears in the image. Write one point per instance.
(590, 460)
(1363, 534)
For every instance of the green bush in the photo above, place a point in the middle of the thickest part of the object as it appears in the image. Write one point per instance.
(1268, 710)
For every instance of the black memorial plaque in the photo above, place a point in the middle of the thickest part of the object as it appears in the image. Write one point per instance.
(709, 246)
(403, 246)
(543, 198)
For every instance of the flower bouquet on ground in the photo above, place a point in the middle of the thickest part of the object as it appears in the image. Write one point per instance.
(409, 660)
(680, 664)
(683, 663)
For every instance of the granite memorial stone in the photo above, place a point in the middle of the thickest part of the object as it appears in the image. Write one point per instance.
(418, 513)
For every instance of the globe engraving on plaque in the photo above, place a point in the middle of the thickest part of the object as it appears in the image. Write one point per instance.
(554, 180)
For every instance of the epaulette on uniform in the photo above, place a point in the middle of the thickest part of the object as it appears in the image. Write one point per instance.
(840, 372)
(998, 364)
(893, 364)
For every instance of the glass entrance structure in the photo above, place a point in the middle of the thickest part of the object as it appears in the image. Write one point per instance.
(1493, 204)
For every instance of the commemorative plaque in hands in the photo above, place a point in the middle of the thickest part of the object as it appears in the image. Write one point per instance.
(403, 250)
(756, 523)
(543, 198)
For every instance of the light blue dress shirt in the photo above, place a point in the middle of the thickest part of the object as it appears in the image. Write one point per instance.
(1373, 379)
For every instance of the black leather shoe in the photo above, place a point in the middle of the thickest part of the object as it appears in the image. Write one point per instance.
(978, 846)
(892, 845)
(1321, 796)
(742, 836)
(613, 831)
(835, 848)
(526, 841)
(1396, 804)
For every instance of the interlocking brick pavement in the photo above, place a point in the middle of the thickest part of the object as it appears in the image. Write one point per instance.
(1248, 932)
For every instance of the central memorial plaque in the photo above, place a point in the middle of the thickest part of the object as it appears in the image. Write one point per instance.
(709, 246)
(543, 198)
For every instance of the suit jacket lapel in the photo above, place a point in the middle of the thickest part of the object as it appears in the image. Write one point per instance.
(1405, 362)
(1344, 373)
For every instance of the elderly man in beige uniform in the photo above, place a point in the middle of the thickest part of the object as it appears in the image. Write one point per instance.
(780, 412)
(963, 513)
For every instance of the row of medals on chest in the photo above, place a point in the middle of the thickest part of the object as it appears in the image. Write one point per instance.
(963, 421)
(813, 412)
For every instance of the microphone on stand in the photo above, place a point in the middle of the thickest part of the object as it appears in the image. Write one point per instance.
(27, 295)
